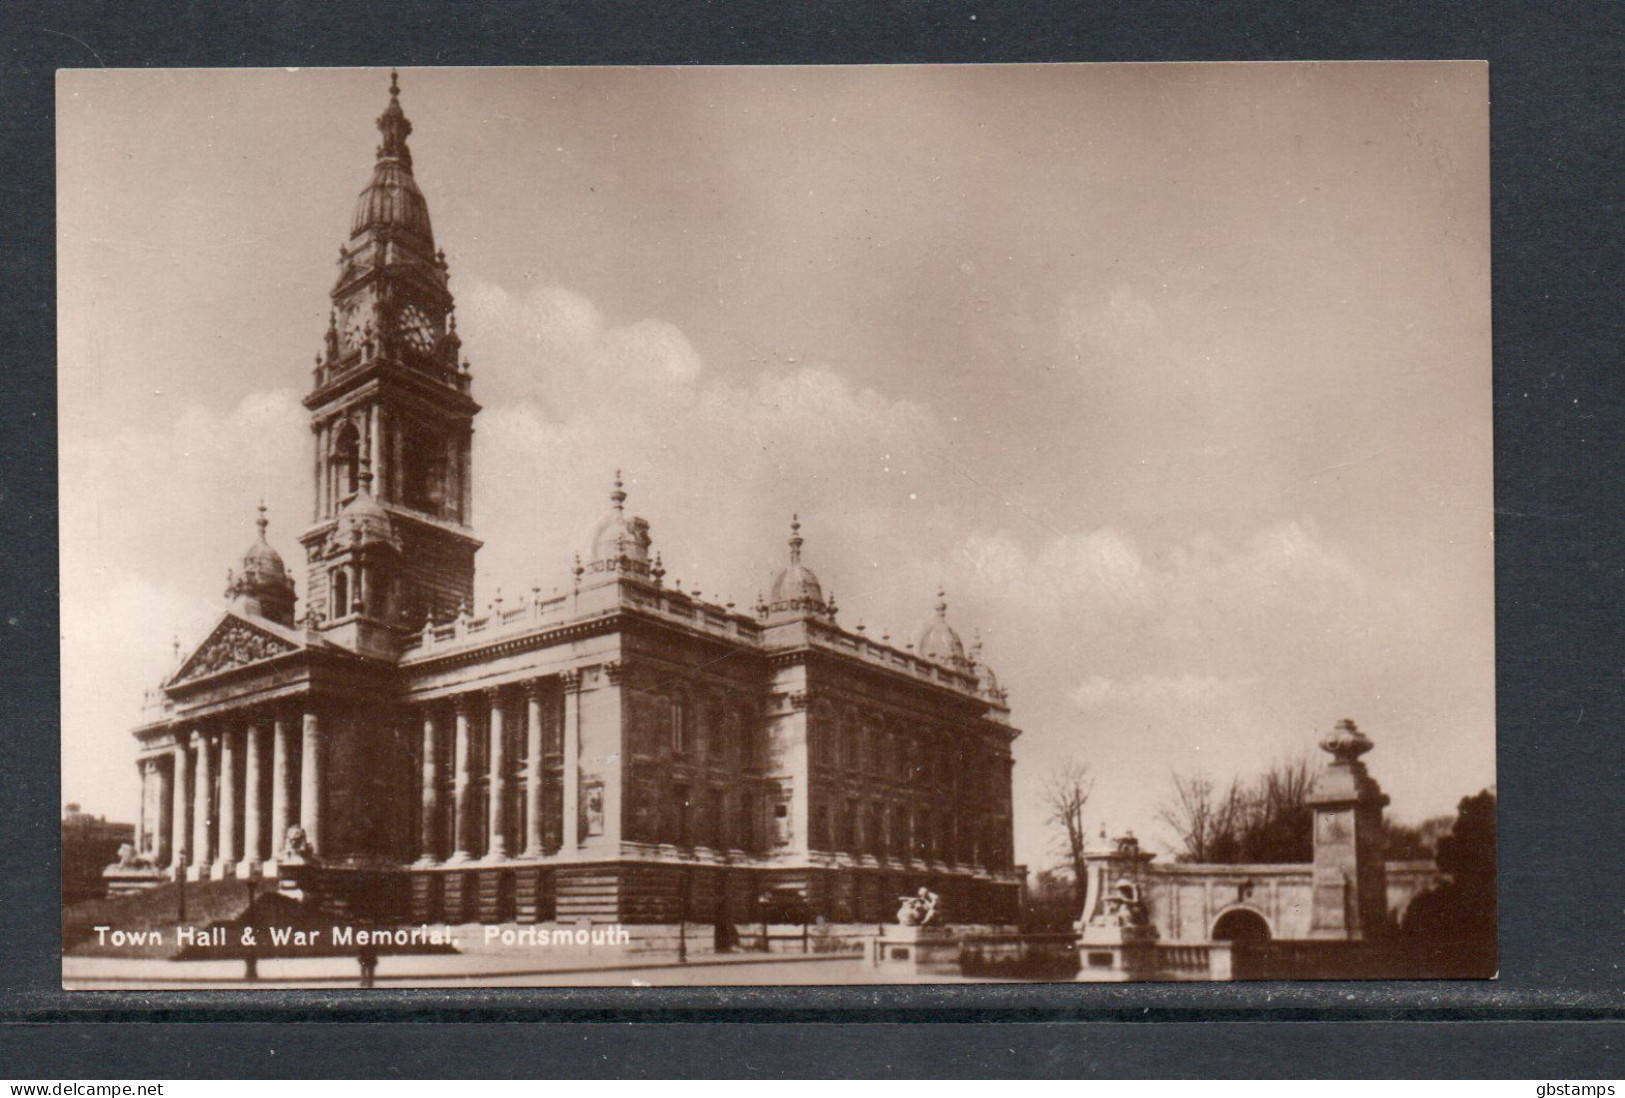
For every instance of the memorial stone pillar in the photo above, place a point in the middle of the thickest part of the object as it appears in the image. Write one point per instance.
(1349, 876)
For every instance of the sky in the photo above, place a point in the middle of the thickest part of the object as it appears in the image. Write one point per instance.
(1175, 377)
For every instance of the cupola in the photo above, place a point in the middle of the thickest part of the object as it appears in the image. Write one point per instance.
(260, 585)
(620, 542)
(938, 642)
(796, 589)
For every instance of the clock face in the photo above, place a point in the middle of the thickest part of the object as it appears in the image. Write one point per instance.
(352, 324)
(418, 329)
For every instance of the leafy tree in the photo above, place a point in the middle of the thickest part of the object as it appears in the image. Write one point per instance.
(1459, 912)
(1414, 842)
(1051, 905)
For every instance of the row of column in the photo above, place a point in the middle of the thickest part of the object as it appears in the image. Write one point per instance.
(463, 778)
(212, 840)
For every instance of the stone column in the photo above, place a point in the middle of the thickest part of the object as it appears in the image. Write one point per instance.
(533, 769)
(571, 776)
(226, 857)
(461, 801)
(180, 846)
(496, 825)
(203, 788)
(253, 803)
(281, 784)
(375, 448)
(163, 797)
(429, 839)
(311, 781)
(143, 812)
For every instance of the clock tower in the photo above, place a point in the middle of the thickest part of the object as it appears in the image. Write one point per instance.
(392, 422)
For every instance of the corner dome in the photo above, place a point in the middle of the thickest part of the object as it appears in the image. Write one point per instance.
(261, 585)
(619, 538)
(938, 641)
(796, 589)
(363, 521)
(987, 683)
(796, 583)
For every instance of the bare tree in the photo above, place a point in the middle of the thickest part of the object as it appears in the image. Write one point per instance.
(1065, 793)
(1206, 820)
(1278, 822)
(1266, 819)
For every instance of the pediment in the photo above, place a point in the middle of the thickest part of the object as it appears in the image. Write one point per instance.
(233, 642)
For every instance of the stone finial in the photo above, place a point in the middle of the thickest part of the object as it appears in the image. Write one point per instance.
(795, 539)
(1346, 743)
(618, 496)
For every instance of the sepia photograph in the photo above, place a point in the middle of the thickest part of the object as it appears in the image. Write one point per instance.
(704, 526)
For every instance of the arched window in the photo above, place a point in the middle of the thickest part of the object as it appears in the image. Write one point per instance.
(341, 593)
(346, 460)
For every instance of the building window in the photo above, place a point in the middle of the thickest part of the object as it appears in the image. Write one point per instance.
(341, 593)
(680, 732)
(347, 460)
(781, 823)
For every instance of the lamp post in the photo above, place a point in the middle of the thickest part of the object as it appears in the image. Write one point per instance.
(251, 962)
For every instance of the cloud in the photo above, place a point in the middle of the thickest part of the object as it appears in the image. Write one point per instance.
(150, 521)
(718, 464)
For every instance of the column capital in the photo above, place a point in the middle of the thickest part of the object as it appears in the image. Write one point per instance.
(493, 695)
(463, 704)
(533, 688)
(615, 672)
(570, 680)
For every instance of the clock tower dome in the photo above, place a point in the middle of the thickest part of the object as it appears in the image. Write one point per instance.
(392, 422)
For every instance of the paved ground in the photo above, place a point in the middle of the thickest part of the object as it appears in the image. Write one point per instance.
(98, 973)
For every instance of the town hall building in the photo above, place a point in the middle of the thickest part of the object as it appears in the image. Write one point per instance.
(621, 751)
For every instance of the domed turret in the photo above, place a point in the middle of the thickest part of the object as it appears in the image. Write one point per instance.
(987, 683)
(364, 521)
(261, 586)
(938, 641)
(392, 198)
(796, 589)
(620, 542)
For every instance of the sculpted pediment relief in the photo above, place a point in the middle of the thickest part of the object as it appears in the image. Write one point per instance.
(233, 643)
